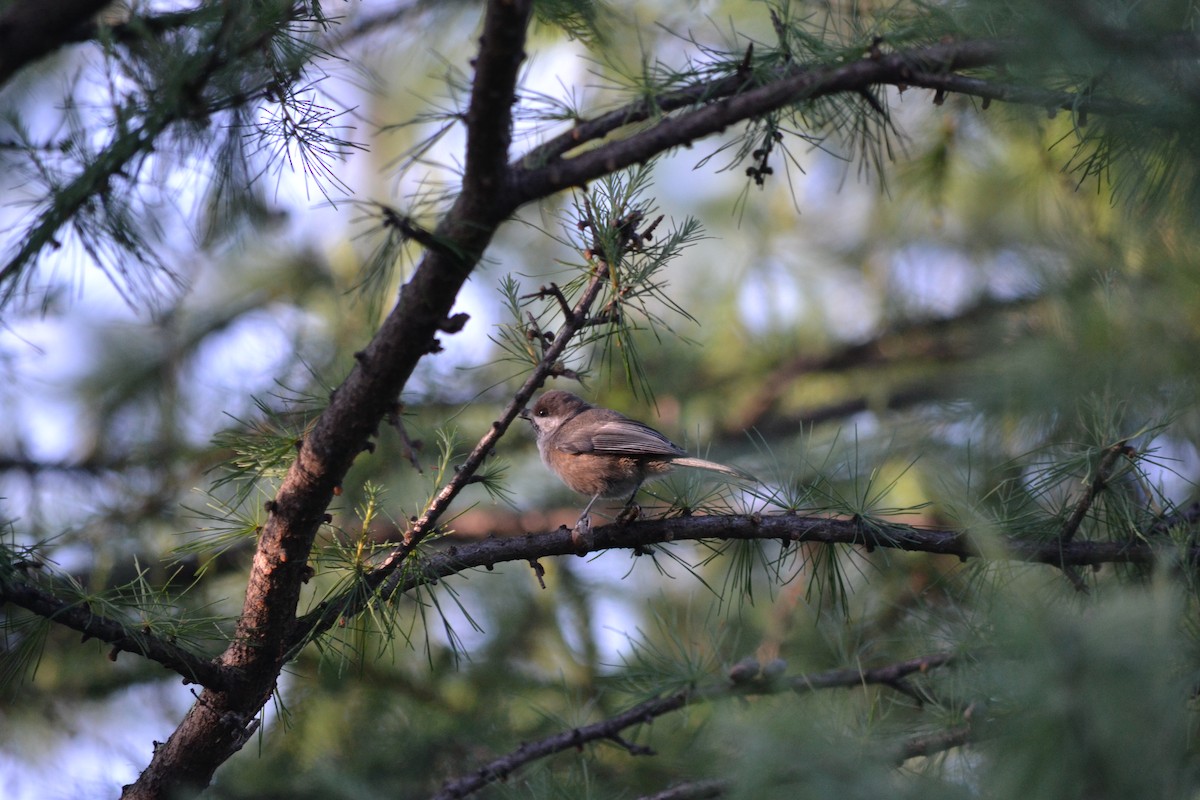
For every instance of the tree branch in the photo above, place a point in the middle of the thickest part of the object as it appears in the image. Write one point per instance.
(1071, 526)
(724, 103)
(715, 105)
(78, 617)
(90, 466)
(353, 600)
(787, 529)
(219, 722)
(938, 339)
(1097, 485)
(644, 713)
(137, 27)
(1027, 95)
(932, 743)
(915, 746)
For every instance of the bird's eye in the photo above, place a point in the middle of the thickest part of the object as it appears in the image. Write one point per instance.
(541, 412)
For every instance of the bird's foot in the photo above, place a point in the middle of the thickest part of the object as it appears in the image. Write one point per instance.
(581, 537)
(630, 513)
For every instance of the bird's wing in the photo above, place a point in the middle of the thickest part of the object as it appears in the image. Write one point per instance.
(623, 437)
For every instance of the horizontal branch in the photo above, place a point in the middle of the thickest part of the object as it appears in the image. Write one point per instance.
(922, 745)
(938, 742)
(18, 463)
(787, 529)
(707, 92)
(648, 711)
(79, 617)
(1048, 99)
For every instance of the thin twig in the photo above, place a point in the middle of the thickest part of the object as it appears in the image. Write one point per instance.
(1071, 526)
(410, 447)
(1103, 472)
(552, 291)
(328, 612)
(923, 745)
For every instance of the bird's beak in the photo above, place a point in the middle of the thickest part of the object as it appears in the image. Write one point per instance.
(525, 415)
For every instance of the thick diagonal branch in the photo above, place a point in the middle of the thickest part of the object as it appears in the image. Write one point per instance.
(219, 723)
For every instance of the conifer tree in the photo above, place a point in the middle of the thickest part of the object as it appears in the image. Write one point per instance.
(278, 280)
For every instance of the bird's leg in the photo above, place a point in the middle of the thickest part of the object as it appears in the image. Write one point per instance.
(585, 522)
(632, 510)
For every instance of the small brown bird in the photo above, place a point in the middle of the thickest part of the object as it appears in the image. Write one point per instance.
(602, 453)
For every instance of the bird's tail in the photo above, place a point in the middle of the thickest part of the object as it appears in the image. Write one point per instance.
(700, 463)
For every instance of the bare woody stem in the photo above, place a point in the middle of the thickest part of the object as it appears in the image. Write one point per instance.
(220, 722)
(385, 578)
(709, 107)
(648, 711)
(921, 745)
(1097, 485)
(637, 537)
(723, 103)
(1071, 526)
(77, 616)
(789, 530)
